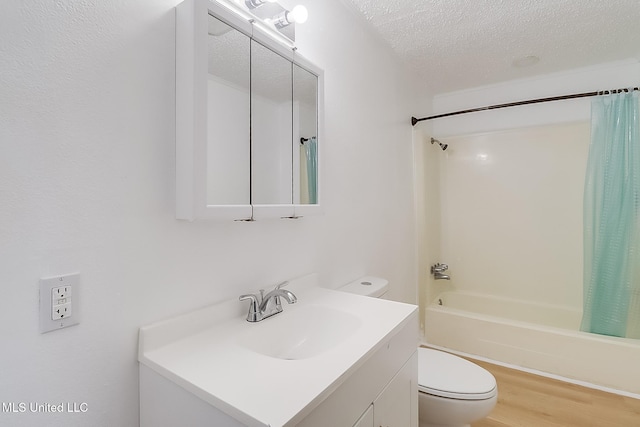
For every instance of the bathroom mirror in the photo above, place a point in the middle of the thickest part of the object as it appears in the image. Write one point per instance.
(271, 127)
(305, 164)
(244, 103)
(228, 113)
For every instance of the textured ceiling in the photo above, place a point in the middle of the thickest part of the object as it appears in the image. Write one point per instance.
(458, 44)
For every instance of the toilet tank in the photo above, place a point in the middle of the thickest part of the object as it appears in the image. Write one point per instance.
(369, 286)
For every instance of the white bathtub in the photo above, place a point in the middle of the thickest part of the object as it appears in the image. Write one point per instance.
(535, 336)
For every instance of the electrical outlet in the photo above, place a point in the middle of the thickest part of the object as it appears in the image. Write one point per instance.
(60, 294)
(59, 302)
(61, 311)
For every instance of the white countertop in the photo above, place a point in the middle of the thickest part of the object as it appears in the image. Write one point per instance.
(203, 353)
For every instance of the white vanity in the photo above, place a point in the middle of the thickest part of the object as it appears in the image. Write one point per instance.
(331, 359)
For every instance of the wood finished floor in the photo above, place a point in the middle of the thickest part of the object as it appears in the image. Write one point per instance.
(528, 400)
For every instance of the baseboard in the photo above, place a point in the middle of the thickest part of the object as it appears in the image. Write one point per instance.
(534, 371)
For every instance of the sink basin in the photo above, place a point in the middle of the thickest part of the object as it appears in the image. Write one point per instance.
(300, 333)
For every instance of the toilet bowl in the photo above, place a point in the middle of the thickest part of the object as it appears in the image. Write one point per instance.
(452, 391)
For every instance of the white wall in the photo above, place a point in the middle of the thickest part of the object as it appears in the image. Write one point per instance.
(87, 184)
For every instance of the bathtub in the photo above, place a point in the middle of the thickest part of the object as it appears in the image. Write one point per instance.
(534, 336)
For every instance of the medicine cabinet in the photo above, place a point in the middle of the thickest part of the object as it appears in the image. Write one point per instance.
(248, 119)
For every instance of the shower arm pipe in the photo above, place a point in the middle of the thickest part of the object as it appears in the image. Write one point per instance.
(414, 121)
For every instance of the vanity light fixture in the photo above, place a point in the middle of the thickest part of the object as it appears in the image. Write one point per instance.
(270, 15)
(298, 15)
(252, 4)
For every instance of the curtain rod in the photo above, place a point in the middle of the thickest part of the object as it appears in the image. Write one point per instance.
(530, 101)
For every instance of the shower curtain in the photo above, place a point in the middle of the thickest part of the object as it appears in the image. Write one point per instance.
(612, 218)
(311, 154)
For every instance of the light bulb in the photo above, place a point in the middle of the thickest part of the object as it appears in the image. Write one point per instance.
(298, 14)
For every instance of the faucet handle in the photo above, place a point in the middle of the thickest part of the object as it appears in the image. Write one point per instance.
(253, 306)
(276, 299)
(252, 297)
(282, 285)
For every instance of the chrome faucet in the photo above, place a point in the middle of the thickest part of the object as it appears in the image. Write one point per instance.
(438, 271)
(263, 306)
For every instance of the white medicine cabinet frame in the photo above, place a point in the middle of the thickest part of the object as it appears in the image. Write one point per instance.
(228, 111)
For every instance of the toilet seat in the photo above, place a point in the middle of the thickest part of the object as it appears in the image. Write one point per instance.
(445, 375)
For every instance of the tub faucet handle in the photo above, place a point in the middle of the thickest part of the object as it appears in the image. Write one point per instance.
(439, 268)
(438, 271)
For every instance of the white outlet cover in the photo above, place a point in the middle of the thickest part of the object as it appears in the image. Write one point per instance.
(47, 285)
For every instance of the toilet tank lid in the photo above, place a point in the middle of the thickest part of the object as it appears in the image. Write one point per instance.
(368, 286)
(446, 375)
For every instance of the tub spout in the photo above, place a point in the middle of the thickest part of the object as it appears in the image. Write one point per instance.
(438, 271)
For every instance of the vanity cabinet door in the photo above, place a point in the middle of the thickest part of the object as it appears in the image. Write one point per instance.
(395, 405)
(366, 420)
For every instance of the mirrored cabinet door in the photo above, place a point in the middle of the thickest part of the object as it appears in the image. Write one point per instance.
(228, 115)
(271, 127)
(305, 160)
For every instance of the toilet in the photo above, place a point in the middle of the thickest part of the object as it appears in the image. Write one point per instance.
(452, 392)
